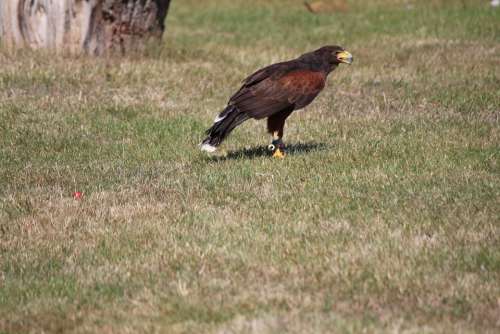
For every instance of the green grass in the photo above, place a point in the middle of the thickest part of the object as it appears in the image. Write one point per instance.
(384, 217)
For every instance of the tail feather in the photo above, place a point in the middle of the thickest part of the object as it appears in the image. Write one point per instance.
(224, 123)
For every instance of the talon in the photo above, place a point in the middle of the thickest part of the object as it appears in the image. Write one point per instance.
(278, 154)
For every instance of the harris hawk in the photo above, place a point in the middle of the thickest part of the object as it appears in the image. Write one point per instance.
(274, 92)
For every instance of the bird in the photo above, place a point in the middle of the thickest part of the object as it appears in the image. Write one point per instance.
(274, 92)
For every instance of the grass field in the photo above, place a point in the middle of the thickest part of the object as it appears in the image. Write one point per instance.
(384, 216)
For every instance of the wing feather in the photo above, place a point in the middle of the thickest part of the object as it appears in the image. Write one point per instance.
(278, 87)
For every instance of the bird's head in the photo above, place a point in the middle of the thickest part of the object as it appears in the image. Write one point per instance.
(334, 55)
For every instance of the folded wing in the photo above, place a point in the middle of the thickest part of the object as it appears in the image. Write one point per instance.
(278, 87)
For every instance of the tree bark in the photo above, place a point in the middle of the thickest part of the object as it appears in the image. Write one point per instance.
(91, 26)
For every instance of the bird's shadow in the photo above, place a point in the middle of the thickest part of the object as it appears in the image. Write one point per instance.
(262, 151)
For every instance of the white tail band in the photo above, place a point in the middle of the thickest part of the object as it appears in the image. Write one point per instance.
(208, 148)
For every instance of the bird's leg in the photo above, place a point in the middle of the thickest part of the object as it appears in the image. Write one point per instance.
(275, 126)
(277, 145)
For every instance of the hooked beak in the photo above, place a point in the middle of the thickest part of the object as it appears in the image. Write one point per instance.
(344, 57)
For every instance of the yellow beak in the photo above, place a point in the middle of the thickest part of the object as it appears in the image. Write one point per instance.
(345, 57)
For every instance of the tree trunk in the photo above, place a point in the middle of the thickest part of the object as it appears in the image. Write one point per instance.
(91, 26)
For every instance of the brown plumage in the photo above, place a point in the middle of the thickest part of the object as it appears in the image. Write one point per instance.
(275, 92)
